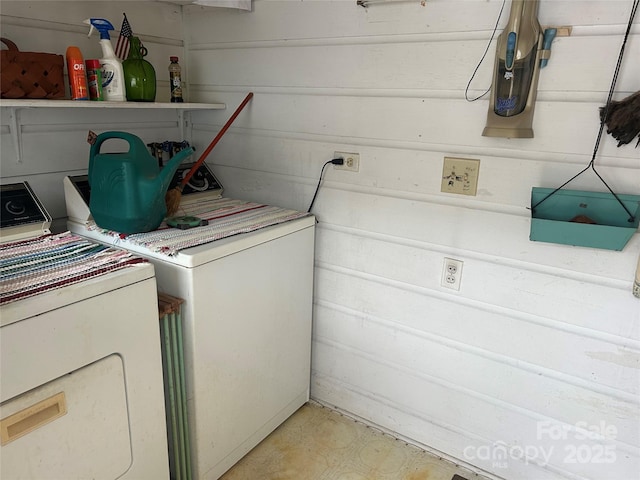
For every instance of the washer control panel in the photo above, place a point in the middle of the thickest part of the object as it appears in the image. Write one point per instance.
(23, 215)
(203, 180)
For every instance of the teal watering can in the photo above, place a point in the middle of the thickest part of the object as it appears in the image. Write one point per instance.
(128, 189)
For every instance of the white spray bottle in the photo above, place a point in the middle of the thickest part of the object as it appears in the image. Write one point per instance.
(112, 72)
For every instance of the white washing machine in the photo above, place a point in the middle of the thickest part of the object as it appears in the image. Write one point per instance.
(81, 375)
(247, 333)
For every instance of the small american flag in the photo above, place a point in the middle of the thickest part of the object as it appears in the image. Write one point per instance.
(122, 46)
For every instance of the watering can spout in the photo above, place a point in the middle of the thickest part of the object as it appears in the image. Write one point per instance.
(168, 171)
(128, 189)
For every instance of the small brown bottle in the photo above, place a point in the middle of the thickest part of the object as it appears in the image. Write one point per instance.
(175, 80)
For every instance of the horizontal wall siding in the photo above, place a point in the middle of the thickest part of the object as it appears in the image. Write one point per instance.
(541, 337)
(542, 342)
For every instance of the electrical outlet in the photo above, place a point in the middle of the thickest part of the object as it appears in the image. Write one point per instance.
(460, 175)
(351, 161)
(451, 273)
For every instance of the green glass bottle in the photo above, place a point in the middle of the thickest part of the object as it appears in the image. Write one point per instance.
(139, 74)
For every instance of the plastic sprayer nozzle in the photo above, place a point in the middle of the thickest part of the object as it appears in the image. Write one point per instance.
(102, 25)
(549, 35)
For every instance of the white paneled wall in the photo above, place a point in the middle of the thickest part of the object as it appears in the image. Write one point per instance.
(542, 341)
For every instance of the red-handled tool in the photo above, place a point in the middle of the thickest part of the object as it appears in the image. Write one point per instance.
(173, 196)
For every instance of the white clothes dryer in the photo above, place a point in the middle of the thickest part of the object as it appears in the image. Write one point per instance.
(81, 381)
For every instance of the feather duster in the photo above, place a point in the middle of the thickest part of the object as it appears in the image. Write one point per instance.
(623, 119)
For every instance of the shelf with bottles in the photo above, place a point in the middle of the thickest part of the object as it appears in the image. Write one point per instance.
(26, 103)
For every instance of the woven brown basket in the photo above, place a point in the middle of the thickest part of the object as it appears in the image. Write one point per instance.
(31, 74)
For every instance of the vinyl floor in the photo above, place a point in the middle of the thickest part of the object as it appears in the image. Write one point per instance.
(318, 443)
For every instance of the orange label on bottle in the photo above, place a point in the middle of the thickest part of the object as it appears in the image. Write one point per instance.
(77, 78)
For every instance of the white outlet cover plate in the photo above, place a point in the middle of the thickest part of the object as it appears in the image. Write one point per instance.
(351, 161)
(451, 273)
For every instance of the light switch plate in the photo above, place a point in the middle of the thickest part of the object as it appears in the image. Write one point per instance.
(460, 175)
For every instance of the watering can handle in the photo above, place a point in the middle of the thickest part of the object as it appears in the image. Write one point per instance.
(133, 141)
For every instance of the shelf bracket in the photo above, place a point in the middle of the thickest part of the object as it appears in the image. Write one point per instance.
(16, 132)
(185, 124)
